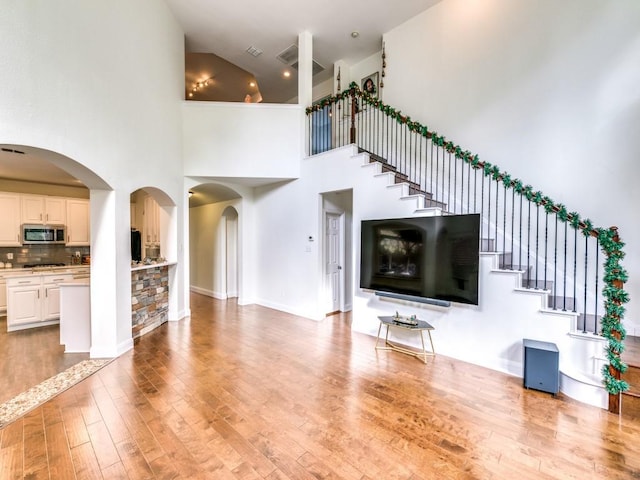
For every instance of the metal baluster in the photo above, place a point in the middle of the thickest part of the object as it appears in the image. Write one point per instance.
(437, 168)
(475, 192)
(489, 244)
(575, 269)
(442, 194)
(564, 289)
(420, 176)
(546, 245)
(496, 220)
(529, 244)
(449, 185)
(462, 187)
(482, 205)
(469, 190)
(537, 238)
(504, 225)
(586, 263)
(431, 176)
(520, 236)
(513, 222)
(595, 309)
(555, 264)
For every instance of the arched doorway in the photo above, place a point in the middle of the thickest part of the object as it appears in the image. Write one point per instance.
(215, 232)
(230, 244)
(29, 175)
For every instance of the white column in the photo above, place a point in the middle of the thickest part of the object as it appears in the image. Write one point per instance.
(110, 274)
(305, 80)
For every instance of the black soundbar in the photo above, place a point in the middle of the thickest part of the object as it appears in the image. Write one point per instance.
(411, 298)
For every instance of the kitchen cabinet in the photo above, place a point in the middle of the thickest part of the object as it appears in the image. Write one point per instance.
(42, 209)
(34, 300)
(3, 296)
(151, 220)
(78, 224)
(10, 220)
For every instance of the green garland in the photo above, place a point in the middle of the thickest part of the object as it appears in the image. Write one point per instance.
(614, 273)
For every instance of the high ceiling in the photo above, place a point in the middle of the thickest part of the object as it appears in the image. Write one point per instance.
(228, 29)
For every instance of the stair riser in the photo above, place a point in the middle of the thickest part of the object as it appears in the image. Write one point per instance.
(632, 377)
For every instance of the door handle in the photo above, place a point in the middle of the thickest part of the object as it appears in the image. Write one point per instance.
(339, 267)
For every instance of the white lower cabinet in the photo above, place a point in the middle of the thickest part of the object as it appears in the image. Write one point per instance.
(34, 300)
(3, 296)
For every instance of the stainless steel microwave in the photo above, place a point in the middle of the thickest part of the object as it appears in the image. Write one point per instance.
(39, 234)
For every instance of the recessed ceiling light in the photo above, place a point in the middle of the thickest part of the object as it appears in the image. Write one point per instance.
(252, 84)
(286, 74)
(355, 34)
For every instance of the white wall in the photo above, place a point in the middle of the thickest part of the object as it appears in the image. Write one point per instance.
(242, 140)
(548, 91)
(206, 242)
(75, 84)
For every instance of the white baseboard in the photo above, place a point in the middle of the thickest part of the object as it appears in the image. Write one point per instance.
(294, 311)
(209, 293)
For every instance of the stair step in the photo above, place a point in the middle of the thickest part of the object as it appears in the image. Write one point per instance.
(515, 267)
(630, 405)
(632, 377)
(591, 322)
(537, 284)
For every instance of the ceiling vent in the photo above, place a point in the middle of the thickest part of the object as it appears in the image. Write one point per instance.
(253, 51)
(317, 68)
(289, 55)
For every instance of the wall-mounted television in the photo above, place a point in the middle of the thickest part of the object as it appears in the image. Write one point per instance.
(427, 257)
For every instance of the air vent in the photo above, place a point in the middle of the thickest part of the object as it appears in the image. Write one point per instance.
(12, 150)
(254, 51)
(289, 55)
(317, 68)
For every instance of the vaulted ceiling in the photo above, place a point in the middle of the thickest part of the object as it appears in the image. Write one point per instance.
(219, 33)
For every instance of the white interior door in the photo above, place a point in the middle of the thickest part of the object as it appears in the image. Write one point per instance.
(334, 255)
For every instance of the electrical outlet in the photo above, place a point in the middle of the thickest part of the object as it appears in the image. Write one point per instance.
(9, 256)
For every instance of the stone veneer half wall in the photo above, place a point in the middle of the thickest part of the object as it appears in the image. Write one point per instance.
(149, 298)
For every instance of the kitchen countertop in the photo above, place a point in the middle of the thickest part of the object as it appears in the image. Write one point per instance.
(20, 272)
(152, 265)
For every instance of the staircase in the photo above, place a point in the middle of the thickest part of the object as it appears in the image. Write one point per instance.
(573, 266)
(631, 398)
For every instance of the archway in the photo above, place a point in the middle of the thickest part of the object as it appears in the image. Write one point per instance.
(229, 232)
(31, 174)
(215, 239)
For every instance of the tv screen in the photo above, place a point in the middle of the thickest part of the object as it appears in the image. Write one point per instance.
(429, 257)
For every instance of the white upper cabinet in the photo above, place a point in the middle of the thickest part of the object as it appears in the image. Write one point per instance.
(41, 209)
(78, 224)
(10, 220)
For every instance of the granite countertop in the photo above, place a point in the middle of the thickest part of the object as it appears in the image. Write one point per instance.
(20, 272)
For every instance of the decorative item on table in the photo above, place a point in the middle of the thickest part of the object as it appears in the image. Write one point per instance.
(412, 320)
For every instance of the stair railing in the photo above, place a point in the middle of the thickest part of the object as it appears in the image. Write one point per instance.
(555, 250)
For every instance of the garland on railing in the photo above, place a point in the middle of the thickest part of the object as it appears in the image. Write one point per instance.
(614, 274)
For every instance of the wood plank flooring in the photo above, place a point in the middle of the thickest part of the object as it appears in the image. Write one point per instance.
(30, 357)
(251, 393)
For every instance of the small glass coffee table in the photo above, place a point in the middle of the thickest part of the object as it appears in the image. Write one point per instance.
(406, 324)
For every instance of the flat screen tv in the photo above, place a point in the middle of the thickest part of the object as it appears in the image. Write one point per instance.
(427, 257)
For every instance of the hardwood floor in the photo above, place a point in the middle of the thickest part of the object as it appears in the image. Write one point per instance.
(251, 393)
(30, 357)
